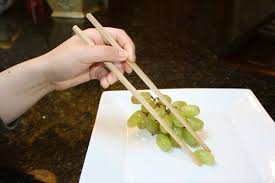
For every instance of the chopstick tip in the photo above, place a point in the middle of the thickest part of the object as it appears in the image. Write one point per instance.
(88, 14)
(76, 29)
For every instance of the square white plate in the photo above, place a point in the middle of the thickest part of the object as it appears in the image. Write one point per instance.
(237, 129)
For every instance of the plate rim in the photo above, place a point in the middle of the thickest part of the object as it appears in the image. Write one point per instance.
(245, 90)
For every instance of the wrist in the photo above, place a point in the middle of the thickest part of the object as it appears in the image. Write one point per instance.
(21, 87)
(42, 67)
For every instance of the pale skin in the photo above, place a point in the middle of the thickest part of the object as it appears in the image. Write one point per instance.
(66, 66)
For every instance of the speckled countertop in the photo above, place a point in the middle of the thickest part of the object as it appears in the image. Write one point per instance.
(54, 134)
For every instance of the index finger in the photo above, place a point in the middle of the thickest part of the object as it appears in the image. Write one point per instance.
(124, 41)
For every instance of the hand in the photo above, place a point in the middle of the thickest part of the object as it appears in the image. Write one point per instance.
(71, 63)
(74, 62)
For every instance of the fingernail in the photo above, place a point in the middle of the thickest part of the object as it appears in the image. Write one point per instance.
(129, 70)
(104, 83)
(132, 58)
(123, 54)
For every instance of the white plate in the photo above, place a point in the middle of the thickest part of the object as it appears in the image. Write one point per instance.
(237, 129)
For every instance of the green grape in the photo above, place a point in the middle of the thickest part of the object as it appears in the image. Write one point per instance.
(169, 118)
(167, 98)
(151, 117)
(143, 109)
(162, 130)
(190, 110)
(188, 138)
(205, 157)
(152, 103)
(145, 95)
(181, 114)
(164, 142)
(134, 100)
(135, 118)
(152, 126)
(176, 121)
(195, 123)
(169, 123)
(160, 110)
(178, 131)
(143, 123)
(179, 104)
(173, 142)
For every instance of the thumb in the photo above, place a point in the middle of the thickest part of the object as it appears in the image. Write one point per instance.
(102, 53)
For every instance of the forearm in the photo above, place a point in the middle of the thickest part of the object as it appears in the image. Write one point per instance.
(21, 87)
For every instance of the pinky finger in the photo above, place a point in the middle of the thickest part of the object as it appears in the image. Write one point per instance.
(104, 82)
(111, 78)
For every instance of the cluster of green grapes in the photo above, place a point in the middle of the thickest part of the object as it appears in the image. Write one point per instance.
(144, 120)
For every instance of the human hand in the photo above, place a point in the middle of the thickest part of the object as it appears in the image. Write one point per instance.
(73, 62)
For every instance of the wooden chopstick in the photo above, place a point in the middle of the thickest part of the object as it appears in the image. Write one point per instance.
(146, 80)
(136, 94)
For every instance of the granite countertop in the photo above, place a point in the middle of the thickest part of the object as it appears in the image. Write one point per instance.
(54, 134)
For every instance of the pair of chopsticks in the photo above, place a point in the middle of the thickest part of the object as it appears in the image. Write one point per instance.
(136, 94)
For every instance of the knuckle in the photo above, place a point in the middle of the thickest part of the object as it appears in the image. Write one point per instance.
(122, 31)
(89, 30)
(133, 47)
(111, 53)
(116, 54)
(81, 50)
(106, 51)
